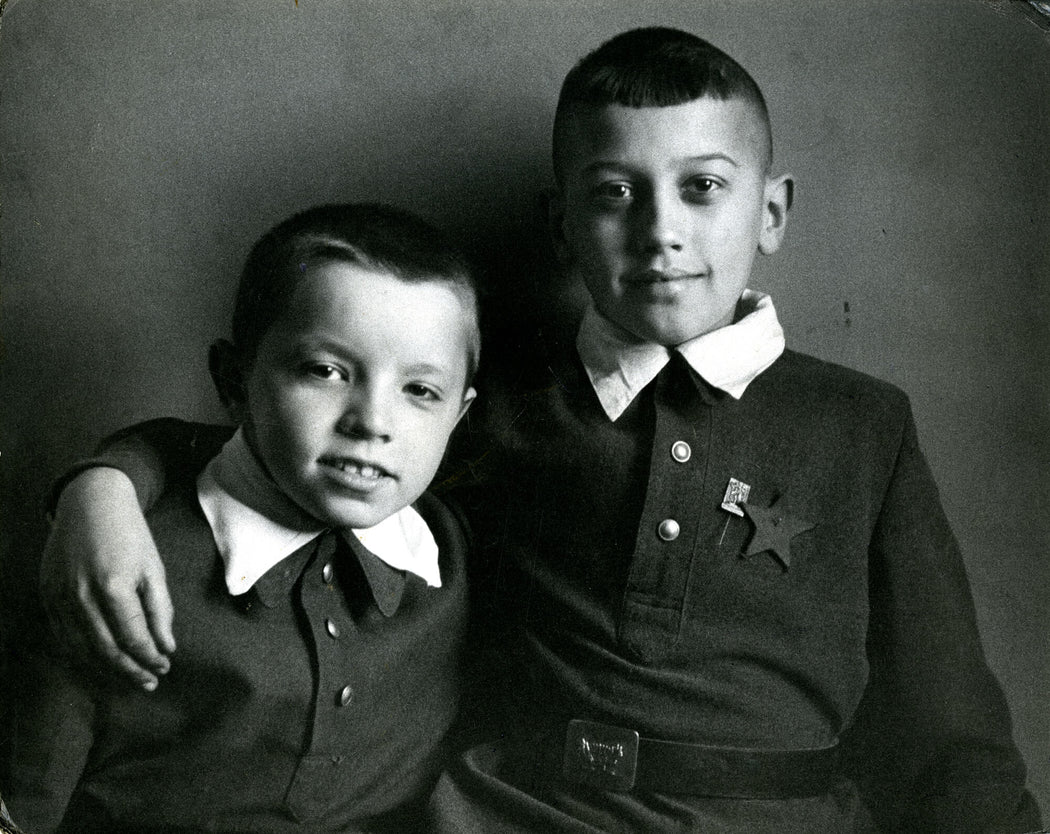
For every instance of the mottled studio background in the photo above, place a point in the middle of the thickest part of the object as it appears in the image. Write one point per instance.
(143, 147)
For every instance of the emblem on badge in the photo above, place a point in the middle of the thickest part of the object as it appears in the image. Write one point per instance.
(736, 494)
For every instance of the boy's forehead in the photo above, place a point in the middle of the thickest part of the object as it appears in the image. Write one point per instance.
(344, 279)
(707, 126)
(341, 300)
(332, 291)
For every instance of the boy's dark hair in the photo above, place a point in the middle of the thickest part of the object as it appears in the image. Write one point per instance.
(654, 67)
(369, 235)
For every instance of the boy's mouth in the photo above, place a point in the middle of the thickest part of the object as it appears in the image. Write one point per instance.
(663, 276)
(355, 473)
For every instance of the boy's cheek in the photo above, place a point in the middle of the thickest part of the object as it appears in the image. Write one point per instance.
(591, 232)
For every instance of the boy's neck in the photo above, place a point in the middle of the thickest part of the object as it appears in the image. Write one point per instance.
(746, 305)
(239, 472)
(728, 358)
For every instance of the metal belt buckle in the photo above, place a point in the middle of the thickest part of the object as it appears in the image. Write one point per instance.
(600, 755)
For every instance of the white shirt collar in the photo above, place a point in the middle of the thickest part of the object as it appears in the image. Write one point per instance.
(728, 358)
(256, 526)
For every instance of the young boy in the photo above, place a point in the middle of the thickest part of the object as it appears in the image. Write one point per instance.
(321, 590)
(718, 587)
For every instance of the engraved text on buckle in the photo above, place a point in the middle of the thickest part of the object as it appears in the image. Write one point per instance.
(600, 755)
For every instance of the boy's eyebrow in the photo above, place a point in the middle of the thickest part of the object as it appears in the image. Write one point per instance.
(599, 164)
(303, 345)
(708, 157)
(426, 368)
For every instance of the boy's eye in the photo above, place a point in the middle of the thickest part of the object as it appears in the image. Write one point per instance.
(420, 391)
(613, 192)
(322, 370)
(700, 187)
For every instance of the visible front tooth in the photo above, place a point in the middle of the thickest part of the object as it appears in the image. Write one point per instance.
(369, 471)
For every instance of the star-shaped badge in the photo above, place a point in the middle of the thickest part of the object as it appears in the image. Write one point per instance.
(774, 530)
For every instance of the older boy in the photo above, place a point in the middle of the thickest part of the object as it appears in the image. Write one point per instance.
(719, 589)
(321, 591)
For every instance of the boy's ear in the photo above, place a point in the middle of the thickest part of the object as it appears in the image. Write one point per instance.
(555, 203)
(779, 194)
(468, 398)
(227, 376)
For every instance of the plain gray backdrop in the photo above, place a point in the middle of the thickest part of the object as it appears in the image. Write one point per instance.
(145, 145)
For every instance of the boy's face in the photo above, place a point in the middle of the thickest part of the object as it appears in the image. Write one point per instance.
(355, 389)
(661, 210)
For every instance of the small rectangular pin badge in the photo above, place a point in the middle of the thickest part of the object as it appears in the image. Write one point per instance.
(736, 494)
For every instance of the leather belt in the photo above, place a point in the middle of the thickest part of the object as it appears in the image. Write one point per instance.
(615, 759)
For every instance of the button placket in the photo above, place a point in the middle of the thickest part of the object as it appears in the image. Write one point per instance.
(669, 523)
(322, 603)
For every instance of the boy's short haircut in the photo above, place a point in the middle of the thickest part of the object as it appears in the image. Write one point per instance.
(369, 235)
(654, 67)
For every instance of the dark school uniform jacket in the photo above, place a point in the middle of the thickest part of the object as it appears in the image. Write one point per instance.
(317, 701)
(866, 635)
(852, 622)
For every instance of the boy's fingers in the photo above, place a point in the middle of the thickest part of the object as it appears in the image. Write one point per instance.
(143, 678)
(160, 613)
(122, 616)
(103, 644)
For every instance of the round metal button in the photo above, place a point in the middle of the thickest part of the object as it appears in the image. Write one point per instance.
(680, 451)
(346, 695)
(327, 572)
(333, 629)
(668, 530)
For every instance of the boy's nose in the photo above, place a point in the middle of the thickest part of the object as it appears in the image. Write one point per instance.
(661, 224)
(366, 417)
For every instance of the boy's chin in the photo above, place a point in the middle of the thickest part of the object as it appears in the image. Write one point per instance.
(356, 521)
(358, 517)
(666, 330)
(670, 335)
(671, 331)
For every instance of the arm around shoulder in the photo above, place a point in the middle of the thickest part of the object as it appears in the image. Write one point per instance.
(150, 454)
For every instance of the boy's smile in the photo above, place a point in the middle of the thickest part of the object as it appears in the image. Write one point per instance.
(661, 210)
(355, 389)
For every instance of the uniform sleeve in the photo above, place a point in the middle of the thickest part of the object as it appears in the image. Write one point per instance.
(47, 716)
(932, 746)
(152, 454)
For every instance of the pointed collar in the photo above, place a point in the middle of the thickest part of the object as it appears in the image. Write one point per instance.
(387, 584)
(256, 526)
(729, 358)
